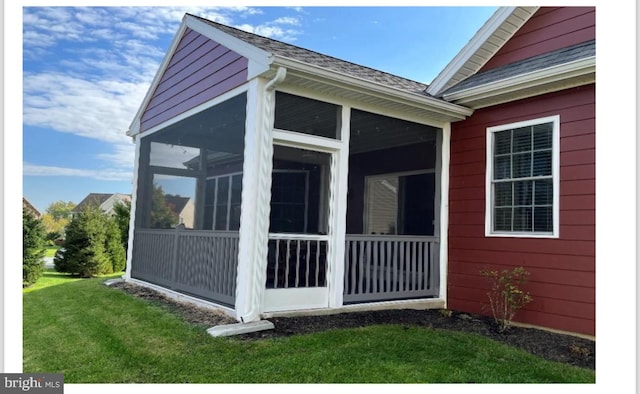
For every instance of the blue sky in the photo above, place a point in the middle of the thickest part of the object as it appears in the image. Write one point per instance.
(86, 70)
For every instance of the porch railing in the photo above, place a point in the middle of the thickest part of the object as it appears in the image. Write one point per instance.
(297, 260)
(200, 263)
(383, 268)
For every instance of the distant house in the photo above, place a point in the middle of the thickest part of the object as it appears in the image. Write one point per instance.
(30, 207)
(183, 207)
(104, 201)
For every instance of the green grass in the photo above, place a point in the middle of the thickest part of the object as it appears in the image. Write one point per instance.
(50, 251)
(95, 334)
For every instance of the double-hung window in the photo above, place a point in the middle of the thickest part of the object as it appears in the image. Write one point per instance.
(523, 179)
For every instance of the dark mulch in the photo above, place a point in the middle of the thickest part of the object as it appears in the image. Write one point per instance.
(551, 346)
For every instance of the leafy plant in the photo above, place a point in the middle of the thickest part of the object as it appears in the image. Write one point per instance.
(33, 235)
(506, 296)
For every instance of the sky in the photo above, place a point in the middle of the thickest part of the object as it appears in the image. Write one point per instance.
(86, 71)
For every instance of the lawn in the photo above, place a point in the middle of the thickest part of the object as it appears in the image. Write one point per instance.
(50, 251)
(96, 334)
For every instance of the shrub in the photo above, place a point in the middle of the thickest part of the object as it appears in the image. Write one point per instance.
(505, 295)
(34, 237)
(92, 245)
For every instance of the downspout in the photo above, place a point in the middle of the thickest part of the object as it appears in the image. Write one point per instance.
(264, 183)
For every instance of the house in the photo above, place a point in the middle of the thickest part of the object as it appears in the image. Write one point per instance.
(322, 186)
(104, 201)
(27, 205)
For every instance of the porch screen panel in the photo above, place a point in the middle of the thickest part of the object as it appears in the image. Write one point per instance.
(189, 204)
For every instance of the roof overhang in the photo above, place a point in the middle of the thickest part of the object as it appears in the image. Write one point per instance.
(564, 76)
(357, 90)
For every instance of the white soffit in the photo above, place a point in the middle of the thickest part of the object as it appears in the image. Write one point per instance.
(502, 25)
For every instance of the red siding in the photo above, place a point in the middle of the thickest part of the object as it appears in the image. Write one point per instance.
(562, 280)
(199, 70)
(550, 28)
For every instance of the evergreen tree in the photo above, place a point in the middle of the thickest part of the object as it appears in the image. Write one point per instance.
(92, 246)
(122, 216)
(33, 235)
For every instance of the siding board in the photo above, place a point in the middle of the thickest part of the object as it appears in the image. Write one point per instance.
(199, 70)
(562, 269)
(547, 30)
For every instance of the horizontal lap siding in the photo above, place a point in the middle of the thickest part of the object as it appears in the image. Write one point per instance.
(199, 70)
(562, 280)
(548, 29)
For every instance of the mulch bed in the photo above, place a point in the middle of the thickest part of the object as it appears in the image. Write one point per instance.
(551, 346)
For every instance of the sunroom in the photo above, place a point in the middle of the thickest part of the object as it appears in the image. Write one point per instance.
(315, 184)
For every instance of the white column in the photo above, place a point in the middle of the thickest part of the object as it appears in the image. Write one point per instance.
(338, 206)
(256, 199)
(132, 213)
(445, 149)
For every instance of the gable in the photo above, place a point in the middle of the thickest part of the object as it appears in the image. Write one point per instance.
(549, 29)
(200, 69)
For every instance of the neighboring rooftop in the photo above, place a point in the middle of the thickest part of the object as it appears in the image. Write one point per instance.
(96, 199)
(324, 61)
(555, 58)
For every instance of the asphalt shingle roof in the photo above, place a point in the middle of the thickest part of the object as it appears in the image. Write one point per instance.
(317, 59)
(539, 62)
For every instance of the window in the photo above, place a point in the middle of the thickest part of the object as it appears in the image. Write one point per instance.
(400, 204)
(223, 197)
(522, 178)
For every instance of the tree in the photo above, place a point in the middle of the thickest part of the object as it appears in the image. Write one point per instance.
(60, 210)
(33, 235)
(56, 218)
(92, 245)
(161, 214)
(122, 215)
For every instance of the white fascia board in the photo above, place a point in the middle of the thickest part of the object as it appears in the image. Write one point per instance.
(259, 60)
(483, 34)
(529, 80)
(134, 128)
(455, 111)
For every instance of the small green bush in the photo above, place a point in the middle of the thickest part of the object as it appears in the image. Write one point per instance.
(34, 239)
(505, 295)
(92, 245)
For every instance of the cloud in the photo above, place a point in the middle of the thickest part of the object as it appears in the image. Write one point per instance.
(87, 69)
(101, 174)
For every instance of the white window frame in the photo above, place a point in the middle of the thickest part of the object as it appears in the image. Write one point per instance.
(555, 173)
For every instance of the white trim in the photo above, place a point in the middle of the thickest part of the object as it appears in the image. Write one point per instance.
(359, 85)
(479, 39)
(522, 82)
(195, 110)
(555, 172)
(132, 210)
(183, 297)
(252, 206)
(295, 139)
(295, 298)
(336, 271)
(134, 128)
(445, 159)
